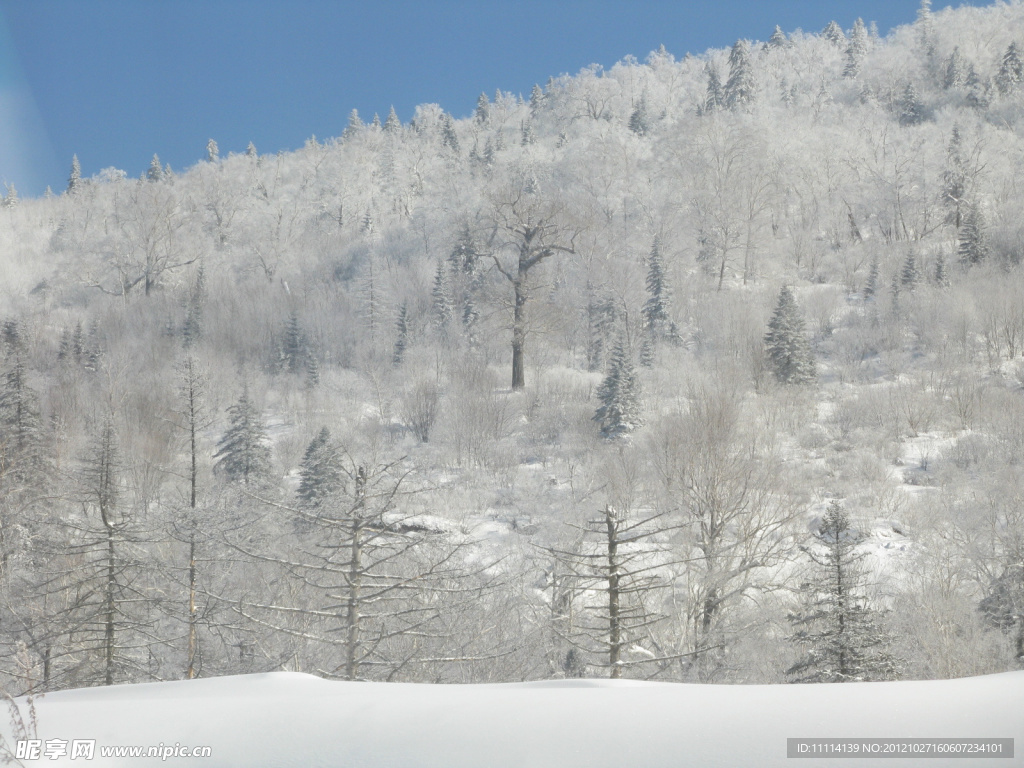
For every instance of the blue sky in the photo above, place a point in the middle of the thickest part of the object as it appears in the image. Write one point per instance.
(117, 80)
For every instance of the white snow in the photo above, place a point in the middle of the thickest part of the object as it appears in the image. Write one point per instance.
(286, 719)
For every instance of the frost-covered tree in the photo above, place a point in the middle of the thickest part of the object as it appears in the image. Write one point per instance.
(786, 345)
(739, 88)
(243, 455)
(941, 273)
(294, 349)
(1011, 71)
(355, 125)
(925, 26)
(620, 410)
(1003, 606)
(955, 73)
(392, 124)
(713, 96)
(834, 34)
(778, 38)
(657, 317)
(954, 177)
(639, 119)
(973, 248)
(910, 275)
(212, 151)
(979, 89)
(449, 137)
(601, 316)
(856, 49)
(871, 284)
(483, 110)
(320, 475)
(156, 171)
(22, 457)
(910, 110)
(10, 199)
(841, 633)
(536, 98)
(75, 179)
(401, 335)
(442, 306)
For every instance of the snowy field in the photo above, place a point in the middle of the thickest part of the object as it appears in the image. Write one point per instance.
(286, 719)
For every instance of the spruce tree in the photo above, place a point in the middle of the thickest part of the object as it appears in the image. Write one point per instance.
(355, 125)
(910, 275)
(619, 411)
(658, 306)
(871, 284)
(243, 455)
(441, 300)
(639, 120)
(156, 171)
(739, 88)
(75, 179)
(978, 89)
(973, 246)
(954, 177)
(955, 75)
(22, 458)
(941, 276)
(856, 50)
(401, 335)
(840, 632)
(294, 350)
(778, 38)
(448, 136)
(212, 151)
(483, 110)
(713, 98)
(1011, 71)
(392, 124)
(11, 198)
(834, 34)
(320, 474)
(789, 352)
(910, 109)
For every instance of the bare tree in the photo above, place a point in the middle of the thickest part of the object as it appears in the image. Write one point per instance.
(533, 230)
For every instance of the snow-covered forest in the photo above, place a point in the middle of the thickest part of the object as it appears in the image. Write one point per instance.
(701, 369)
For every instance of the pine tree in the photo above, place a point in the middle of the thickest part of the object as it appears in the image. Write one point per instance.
(739, 88)
(834, 34)
(22, 458)
(402, 335)
(320, 475)
(856, 50)
(250, 151)
(973, 246)
(1011, 71)
(619, 411)
(293, 345)
(156, 171)
(212, 151)
(639, 120)
(528, 136)
(954, 177)
(392, 124)
(841, 633)
(11, 198)
(871, 284)
(778, 38)
(483, 110)
(601, 316)
(910, 109)
(978, 89)
(442, 304)
(941, 277)
(75, 179)
(789, 352)
(713, 97)
(536, 99)
(355, 125)
(910, 275)
(449, 138)
(658, 306)
(925, 25)
(955, 75)
(243, 455)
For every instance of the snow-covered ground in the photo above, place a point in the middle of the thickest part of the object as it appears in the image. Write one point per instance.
(286, 719)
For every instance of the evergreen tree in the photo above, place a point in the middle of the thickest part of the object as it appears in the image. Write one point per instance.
(658, 306)
(528, 136)
(355, 125)
(75, 179)
(1011, 71)
(465, 257)
(392, 124)
(156, 171)
(11, 198)
(941, 276)
(925, 25)
(243, 455)
(442, 304)
(483, 110)
(834, 34)
(619, 411)
(910, 275)
(294, 350)
(320, 474)
(22, 458)
(954, 177)
(402, 335)
(639, 120)
(193, 328)
(778, 38)
(713, 97)
(212, 151)
(871, 284)
(448, 136)
(973, 246)
(789, 352)
(856, 50)
(910, 109)
(375, 123)
(978, 88)
(841, 633)
(739, 88)
(250, 151)
(536, 99)
(601, 315)
(1003, 606)
(955, 75)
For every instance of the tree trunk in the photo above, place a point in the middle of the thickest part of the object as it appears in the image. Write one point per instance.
(614, 623)
(355, 581)
(519, 334)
